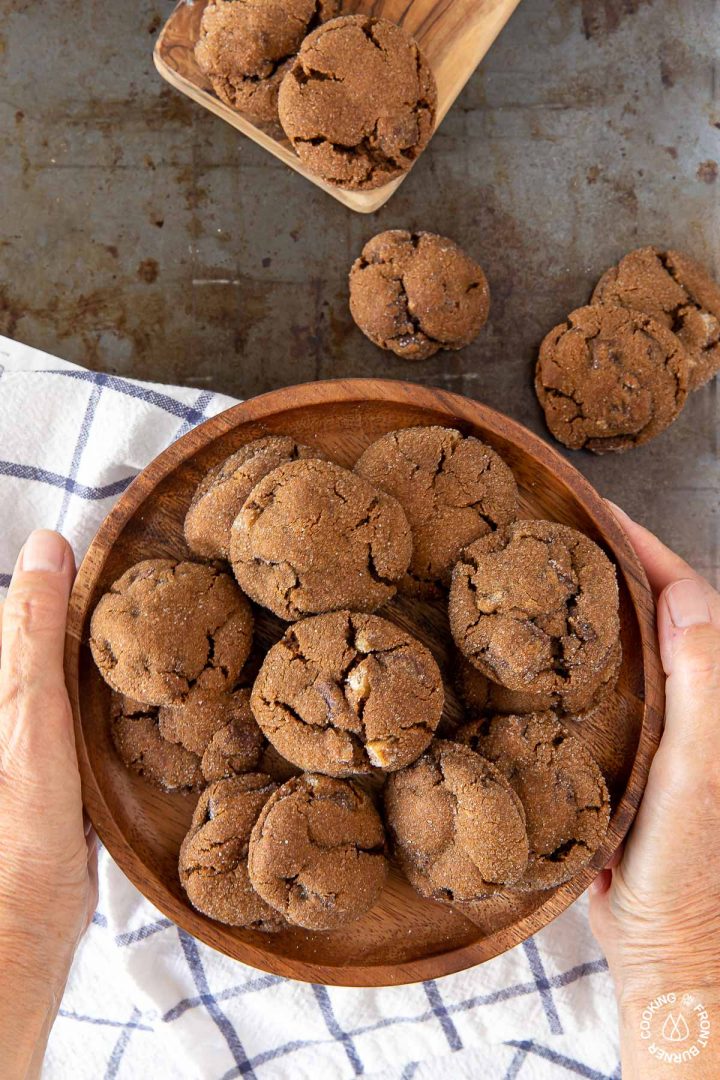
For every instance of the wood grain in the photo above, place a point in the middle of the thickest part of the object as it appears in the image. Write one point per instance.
(404, 938)
(454, 35)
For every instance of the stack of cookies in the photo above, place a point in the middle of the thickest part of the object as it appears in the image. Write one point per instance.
(618, 372)
(316, 770)
(354, 94)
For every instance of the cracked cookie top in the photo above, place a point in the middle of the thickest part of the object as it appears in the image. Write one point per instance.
(246, 46)
(165, 627)
(416, 293)
(483, 697)
(453, 490)
(358, 103)
(314, 537)
(561, 788)
(213, 862)
(343, 693)
(206, 715)
(609, 378)
(458, 827)
(141, 747)
(677, 292)
(535, 608)
(220, 495)
(317, 852)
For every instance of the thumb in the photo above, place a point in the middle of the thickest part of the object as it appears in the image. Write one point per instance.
(689, 631)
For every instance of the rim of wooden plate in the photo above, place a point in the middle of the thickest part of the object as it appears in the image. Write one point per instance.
(454, 407)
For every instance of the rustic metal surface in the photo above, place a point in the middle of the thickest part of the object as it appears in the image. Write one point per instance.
(142, 236)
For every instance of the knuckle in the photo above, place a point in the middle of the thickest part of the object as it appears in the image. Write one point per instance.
(33, 609)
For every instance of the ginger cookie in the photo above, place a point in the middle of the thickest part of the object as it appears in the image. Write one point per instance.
(314, 537)
(166, 627)
(458, 827)
(195, 724)
(234, 749)
(453, 490)
(677, 292)
(358, 103)
(417, 293)
(246, 47)
(221, 493)
(535, 608)
(563, 792)
(317, 852)
(343, 693)
(484, 697)
(141, 747)
(609, 378)
(213, 862)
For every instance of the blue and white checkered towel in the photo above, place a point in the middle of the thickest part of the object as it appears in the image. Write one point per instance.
(144, 998)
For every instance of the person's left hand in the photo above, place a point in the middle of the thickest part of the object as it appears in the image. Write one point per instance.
(48, 868)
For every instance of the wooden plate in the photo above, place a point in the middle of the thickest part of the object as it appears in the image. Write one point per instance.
(454, 35)
(404, 938)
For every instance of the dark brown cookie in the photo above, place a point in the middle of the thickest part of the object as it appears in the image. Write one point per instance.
(358, 103)
(246, 46)
(343, 693)
(142, 748)
(458, 827)
(677, 292)
(314, 537)
(566, 801)
(234, 749)
(165, 627)
(204, 715)
(214, 855)
(484, 697)
(609, 378)
(317, 852)
(221, 493)
(453, 490)
(535, 607)
(416, 293)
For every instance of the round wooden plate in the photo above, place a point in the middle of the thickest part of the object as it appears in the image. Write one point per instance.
(404, 938)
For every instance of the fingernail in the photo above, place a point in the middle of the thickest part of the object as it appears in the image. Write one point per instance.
(686, 603)
(618, 511)
(44, 550)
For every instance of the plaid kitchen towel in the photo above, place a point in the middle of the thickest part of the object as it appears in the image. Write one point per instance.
(145, 998)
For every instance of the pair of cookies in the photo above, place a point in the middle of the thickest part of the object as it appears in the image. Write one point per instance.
(619, 370)
(517, 803)
(310, 853)
(354, 94)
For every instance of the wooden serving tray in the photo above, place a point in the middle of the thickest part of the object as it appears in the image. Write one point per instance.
(454, 35)
(404, 938)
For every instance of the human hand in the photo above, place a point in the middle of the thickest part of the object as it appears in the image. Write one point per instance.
(656, 911)
(48, 868)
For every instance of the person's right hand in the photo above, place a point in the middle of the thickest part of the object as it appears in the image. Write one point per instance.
(656, 912)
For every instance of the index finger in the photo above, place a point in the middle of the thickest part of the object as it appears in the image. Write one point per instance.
(662, 566)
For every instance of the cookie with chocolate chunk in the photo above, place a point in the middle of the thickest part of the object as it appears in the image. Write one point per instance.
(534, 607)
(358, 102)
(677, 292)
(344, 693)
(609, 378)
(417, 293)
